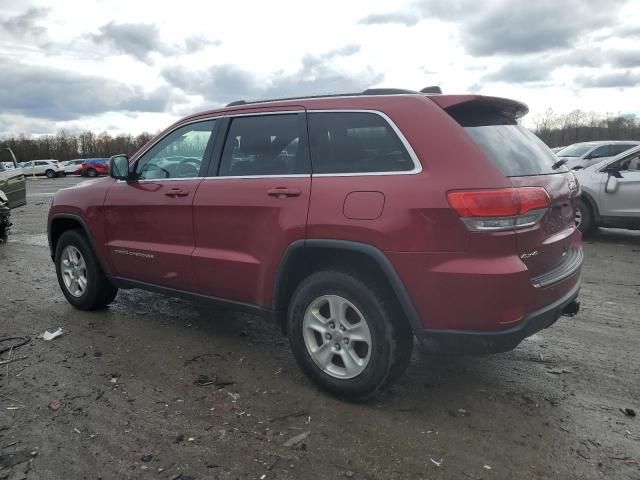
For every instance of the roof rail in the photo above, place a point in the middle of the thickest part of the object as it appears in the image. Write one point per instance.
(432, 89)
(387, 91)
(368, 91)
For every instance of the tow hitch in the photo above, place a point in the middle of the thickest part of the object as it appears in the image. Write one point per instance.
(571, 309)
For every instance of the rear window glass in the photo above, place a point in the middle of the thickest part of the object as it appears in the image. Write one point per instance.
(355, 142)
(511, 147)
(265, 145)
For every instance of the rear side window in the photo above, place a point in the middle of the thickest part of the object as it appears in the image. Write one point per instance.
(512, 148)
(619, 148)
(265, 145)
(355, 142)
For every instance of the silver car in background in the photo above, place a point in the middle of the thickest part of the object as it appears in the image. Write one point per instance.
(610, 193)
(584, 154)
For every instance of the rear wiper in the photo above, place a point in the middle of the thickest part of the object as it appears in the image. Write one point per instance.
(558, 164)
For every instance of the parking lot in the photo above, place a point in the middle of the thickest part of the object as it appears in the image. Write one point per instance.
(156, 387)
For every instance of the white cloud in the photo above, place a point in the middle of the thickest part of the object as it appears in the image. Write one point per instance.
(162, 60)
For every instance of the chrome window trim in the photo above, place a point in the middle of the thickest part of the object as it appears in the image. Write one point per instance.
(260, 114)
(412, 154)
(417, 166)
(229, 177)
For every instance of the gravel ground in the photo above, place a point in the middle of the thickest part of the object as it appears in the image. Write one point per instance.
(155, 387)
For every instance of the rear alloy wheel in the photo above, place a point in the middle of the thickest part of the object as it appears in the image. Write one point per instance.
(584, 217)
(347, 335)
(50, 173)
(92, 173)
(337, 336)
(80, 276)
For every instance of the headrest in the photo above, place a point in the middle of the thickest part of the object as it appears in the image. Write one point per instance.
(254, 145)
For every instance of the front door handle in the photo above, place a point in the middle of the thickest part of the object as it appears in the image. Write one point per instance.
(282, 192)
(176, 192)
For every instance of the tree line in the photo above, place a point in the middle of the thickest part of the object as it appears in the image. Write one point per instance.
(578, 126)
(553, 128)
(66, 146)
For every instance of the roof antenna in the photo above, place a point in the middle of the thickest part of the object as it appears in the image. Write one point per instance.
(432, 89)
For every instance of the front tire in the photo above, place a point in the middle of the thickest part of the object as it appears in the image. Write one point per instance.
(347, 335)
(79, 273)
(584, 217)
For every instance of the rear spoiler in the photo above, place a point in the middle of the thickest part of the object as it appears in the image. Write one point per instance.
(505, 106)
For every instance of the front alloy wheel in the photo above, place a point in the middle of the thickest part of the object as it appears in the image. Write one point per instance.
(74, 271)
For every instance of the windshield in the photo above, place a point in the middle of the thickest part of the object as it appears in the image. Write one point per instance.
(515, 150)
(574, 150)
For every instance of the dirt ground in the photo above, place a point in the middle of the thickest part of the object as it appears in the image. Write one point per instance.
(155, 387)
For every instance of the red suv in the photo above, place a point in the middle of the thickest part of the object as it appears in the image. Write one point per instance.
(92, 167)
(356, 221)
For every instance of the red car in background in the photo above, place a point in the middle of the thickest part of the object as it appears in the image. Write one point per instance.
(93, 167)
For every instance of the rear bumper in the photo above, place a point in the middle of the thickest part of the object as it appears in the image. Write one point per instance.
(461, 341)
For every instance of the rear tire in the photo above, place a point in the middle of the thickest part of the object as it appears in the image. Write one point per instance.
(390, 339)
(50, 173)
(92, 173)
(97, 292)
(584, 217)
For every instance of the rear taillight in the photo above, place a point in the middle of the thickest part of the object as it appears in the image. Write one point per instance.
(500, 209)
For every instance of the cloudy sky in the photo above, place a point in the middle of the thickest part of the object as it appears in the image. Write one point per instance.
(133, 65)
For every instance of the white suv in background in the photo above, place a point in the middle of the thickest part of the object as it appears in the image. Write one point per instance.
(610, 193)
(50, 168)
(584, 154)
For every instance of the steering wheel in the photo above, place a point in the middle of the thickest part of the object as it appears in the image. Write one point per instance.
(188, 168)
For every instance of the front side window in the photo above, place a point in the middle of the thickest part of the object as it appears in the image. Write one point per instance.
(178, 155)
(600, 152)
(355, 142)
(630, 164)
(265, 145)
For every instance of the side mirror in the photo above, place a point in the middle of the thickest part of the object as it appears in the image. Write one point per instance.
(119, 167)
(613, 172)
(612, 184)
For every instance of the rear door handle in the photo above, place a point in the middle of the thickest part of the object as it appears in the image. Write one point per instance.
(282, 192)
(176, 192)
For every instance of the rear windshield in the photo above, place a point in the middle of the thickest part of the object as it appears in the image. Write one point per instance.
(511, 147)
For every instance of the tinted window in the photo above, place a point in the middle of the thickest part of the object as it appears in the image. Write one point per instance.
(41, 163)
(512, 148)
(515, 150)
(600, 152)
(355, 142)
(617, 149)
(178, 155)
(265, 145)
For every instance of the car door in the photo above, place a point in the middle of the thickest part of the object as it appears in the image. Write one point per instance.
(252, 205)
(13, 184)
(149, 219)
(620, 195)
